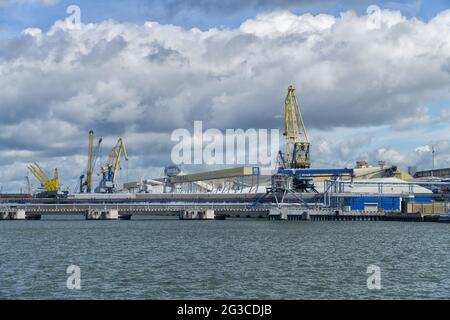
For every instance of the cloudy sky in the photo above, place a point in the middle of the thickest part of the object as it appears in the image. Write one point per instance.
(372, 86)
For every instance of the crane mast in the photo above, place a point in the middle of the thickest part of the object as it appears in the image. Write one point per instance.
(86, 186)
(90, 166)
(297, 145)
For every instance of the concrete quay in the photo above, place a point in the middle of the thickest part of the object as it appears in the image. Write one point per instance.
(203, 211)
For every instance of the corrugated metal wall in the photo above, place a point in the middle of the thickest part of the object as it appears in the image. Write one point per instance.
(423, 199)
(385, 203)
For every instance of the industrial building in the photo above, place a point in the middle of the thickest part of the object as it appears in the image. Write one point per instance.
(436, 173)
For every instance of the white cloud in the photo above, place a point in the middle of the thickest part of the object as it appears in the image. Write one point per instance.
(423, 149)
(390, 155)
(281, 23)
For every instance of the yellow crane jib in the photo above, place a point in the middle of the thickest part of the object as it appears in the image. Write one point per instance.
(296, 138)
(50, 184)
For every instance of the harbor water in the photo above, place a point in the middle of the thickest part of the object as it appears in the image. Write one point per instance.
(231, 259)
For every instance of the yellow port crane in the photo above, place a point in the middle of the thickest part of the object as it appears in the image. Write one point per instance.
(51, 185)
(86, 186)
(297, 145)
(111, 167)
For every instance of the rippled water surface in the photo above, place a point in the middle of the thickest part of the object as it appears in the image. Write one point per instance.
(233, 259)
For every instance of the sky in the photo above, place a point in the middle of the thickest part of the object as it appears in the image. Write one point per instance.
(369, 89)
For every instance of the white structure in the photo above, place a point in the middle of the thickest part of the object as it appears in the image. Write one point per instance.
(13, 214)
(110, 214)
(379, 185)
(198, 215)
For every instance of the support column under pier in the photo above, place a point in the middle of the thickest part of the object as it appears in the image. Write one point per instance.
(108, 214)
(13, 214)
(289, 214)
(197, 215)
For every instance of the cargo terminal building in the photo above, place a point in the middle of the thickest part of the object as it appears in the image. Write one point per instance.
(384, 194)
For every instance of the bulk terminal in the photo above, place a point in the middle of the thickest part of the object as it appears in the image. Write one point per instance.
(294, 190)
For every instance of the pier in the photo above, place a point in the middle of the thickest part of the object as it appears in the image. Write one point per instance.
(94, 211)
(202, 211)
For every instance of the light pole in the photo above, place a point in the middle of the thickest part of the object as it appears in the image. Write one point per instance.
(433, 156)
(433, 152)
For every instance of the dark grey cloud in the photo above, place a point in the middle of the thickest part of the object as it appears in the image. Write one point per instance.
(446, 66)
(161, 54)
(11, 49)
(104, 50)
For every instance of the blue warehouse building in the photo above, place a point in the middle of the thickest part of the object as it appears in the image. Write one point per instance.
(423, 199)
(386, 203)
(368, 203)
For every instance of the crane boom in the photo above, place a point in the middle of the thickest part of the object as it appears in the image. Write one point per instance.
(296, 137)
(38, 173)
(118, 150)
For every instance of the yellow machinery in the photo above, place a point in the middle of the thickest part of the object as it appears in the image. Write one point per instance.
(86, 186)
(111, 167)
(296, 138)
(51, 185)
